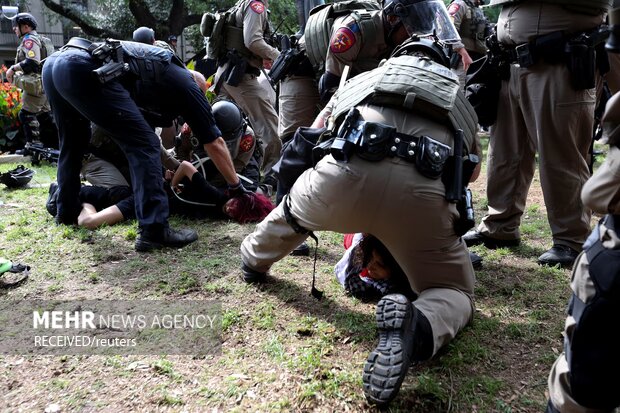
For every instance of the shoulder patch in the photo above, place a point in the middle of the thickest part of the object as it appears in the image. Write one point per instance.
(453, 9)
(28, 43)
(342, 40)
(246, 143)
(257, 7)
(30, 53)
(355, 28)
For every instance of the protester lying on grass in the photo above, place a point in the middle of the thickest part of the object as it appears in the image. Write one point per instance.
(368, 271)
(190, 195)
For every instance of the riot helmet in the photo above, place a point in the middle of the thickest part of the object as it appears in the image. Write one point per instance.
(229, 120)
(144, 35)
(423, 18)
(426, 47)
(18, 177)
(24, 18)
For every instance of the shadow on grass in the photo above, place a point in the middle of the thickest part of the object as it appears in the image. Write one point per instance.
(359, 324)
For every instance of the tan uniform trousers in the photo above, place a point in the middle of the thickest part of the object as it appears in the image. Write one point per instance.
(252, 99)
(99, 172)
(583, 287)
(392, 201)
(35, 104)
(538, 110)
(298, 104)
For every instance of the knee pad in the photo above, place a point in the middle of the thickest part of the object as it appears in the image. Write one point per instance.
(592, 349)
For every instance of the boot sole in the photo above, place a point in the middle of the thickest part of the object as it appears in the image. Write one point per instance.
(387, 365)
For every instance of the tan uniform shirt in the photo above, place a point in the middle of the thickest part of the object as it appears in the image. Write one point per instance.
(470, 23)
(30, 48)
(252, 17)
(348, 46)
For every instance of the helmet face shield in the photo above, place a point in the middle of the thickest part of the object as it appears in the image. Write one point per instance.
(427, 17)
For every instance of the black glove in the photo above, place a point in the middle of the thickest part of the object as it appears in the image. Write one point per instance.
(237, 190)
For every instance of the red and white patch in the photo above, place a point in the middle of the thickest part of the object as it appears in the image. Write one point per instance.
(453, 9)
(28, 43)
(257, 7)
(342, 40)
(246, 143)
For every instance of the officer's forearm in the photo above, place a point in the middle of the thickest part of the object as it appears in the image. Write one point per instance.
(218, 152)
(263, 50)
(29, 66)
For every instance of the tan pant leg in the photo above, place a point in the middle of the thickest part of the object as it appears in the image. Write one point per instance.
(250, 96)
(99, 172)
(564, 118)
(386, 199)
(559, 381)
(298, 104)
(510, 162)
(35, 104)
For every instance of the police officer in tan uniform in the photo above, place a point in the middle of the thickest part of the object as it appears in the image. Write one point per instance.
(349, 192)
(298, 100)
(542, 108)
(471, 24)
(251, 17)
(584, 378)
(35, 107)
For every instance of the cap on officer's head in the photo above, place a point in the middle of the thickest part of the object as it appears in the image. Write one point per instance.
(423, 18)
(144, 35)
(172, 38)
(24, 18)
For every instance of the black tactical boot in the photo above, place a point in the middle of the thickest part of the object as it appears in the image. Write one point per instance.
(405, 335)
(50, 204)
(302, 249)
(251, 276)
(156, 236)
(559, 254)
(476, 260)
(474, 237)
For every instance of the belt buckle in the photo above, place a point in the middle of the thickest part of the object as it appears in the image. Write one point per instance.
(524, 55)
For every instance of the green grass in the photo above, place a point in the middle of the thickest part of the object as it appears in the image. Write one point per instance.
(282, 350)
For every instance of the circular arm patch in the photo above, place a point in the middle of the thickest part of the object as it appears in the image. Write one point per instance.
(342, 40)
(257, 7)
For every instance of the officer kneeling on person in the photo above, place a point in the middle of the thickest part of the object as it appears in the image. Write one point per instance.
(396, 170)
(127, 89)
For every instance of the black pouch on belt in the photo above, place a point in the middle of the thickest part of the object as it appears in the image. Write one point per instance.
(581, 63)
(430, 157)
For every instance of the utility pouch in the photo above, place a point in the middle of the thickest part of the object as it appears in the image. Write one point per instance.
(430, 157)
(237, 72)
(376, 139)
(581, 64)
(300, 153)
(29, 83)
(348, 138)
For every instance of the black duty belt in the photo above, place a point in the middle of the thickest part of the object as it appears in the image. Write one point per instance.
(552, 47)
(374, 141)
(81, 43)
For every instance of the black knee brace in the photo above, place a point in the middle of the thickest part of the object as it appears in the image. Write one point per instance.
(592, 350)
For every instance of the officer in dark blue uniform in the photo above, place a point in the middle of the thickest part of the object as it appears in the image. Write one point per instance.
(127, 89)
